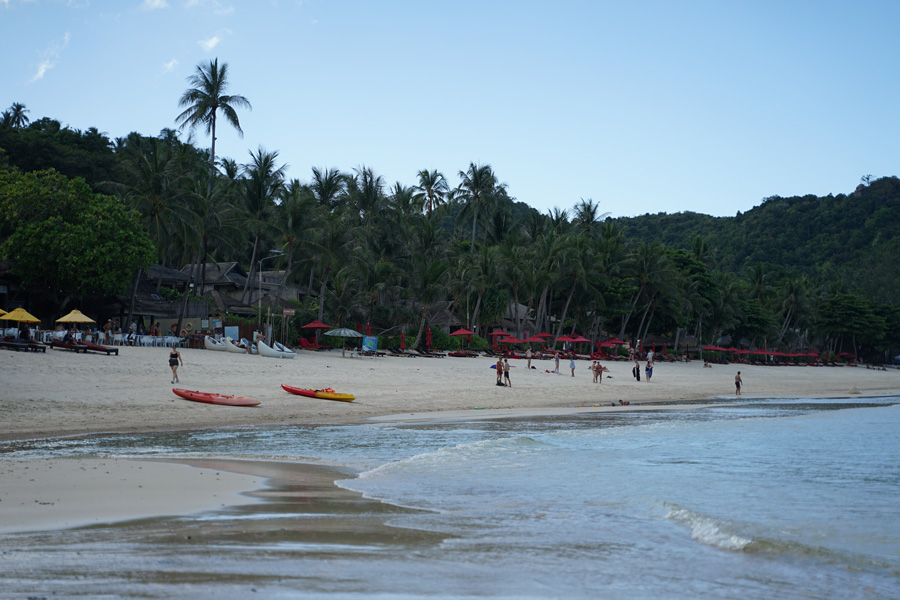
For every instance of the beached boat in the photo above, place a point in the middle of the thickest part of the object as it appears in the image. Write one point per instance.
(214, 344)
(271, 352)
(327, 394)
(232, 347)
(283, 349)
(212, 398)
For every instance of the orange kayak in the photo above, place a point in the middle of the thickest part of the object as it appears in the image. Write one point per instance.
(211, 398)
(326, 394)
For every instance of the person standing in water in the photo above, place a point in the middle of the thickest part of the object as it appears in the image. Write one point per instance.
(174, 361)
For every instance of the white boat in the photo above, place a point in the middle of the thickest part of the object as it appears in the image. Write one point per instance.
(284, 350)
(232, 347)
(247, 344)
(267, 350)
(214, 344)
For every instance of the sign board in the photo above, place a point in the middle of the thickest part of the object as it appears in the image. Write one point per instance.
(289, 312)
(370, 343)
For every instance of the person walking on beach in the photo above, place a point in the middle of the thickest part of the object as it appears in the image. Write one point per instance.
(528, 355)
(572, 364)
(737, 384)
(174, 361)
(499, 367)
(506, 372)
(636, 370)
(648, 370)
(556, 359)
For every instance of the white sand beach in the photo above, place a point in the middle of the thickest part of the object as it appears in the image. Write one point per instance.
(61, 393)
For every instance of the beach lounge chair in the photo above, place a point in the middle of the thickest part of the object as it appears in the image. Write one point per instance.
(60, 345)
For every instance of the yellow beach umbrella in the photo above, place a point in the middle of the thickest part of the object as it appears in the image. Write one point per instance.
(76, 316)
(19, 315)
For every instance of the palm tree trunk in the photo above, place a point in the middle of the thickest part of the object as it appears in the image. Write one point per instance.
(252, 269)
(562, 318)
(322, 297)
(474, 220)
(421, 326)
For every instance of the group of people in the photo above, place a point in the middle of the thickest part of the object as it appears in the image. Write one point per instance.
(502, 367)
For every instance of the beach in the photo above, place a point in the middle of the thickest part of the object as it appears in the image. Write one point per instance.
(66, 398)
(62, 393)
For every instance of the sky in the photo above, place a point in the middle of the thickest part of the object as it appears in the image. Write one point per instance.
(643, 106)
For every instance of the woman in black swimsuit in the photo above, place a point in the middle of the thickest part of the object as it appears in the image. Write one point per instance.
(174, 360)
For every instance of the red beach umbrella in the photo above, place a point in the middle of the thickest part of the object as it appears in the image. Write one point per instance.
(511, 340)
(578, 339)
(428, 337)
(368, 329)
(544, 335)
(615, 341)
(316, 325)
(494, 334)
(535, 340)
(463, 332)
(564, 338)
(402, 340)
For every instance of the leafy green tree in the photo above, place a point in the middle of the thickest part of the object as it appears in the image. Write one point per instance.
(66, 241)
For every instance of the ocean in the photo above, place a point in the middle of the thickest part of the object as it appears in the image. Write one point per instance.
(756, 499)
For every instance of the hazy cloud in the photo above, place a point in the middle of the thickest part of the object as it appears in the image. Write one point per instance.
(49, 58)
(210, 43)
(154, 4)
(170, 66)
(218, 7)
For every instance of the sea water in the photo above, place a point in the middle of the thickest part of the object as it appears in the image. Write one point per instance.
(757, 500)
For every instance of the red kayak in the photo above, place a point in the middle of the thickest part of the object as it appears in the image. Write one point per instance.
(211, 398)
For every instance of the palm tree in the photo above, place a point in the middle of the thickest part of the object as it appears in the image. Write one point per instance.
(16, 116)
(432, 189)
(587, 215)
(475, 187)
(206, 98)
(263, 185)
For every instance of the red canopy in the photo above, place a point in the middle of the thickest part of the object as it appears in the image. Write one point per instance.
(543, 335)
(498, 332)
(463, 332)
(564, 338)
(615, 341)
(535, 339)
(511, 340)
(578, 339)
(316, 325)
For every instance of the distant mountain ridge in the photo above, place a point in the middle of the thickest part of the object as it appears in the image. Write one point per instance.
(852, 237)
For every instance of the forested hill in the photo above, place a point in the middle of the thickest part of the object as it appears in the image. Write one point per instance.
(853, 238)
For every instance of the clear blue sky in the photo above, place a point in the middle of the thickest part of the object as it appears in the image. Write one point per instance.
(643, 106)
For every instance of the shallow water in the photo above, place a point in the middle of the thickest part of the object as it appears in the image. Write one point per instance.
(767, 499)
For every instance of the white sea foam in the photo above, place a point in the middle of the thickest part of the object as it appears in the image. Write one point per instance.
(708, 530)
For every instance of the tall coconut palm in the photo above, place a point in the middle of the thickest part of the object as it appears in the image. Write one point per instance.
(204, 101)
(432, 189)
(16, 116)
(587, 215)
(263, 185)
(475, 187)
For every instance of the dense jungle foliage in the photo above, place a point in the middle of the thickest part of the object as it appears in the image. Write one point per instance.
(792, 273)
